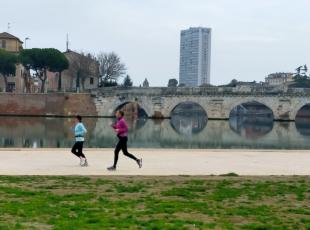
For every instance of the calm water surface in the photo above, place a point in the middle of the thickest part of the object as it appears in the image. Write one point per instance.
(182, 131)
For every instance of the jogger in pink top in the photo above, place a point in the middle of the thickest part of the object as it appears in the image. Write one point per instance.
(121, 129)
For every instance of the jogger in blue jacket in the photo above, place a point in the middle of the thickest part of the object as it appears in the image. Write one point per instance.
(79, 132)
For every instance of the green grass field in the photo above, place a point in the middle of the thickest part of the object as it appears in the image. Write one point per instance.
(179, 202)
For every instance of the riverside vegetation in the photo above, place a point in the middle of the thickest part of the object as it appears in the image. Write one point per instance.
(176, 202)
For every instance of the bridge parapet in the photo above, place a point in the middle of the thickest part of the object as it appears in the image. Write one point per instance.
(202, 91)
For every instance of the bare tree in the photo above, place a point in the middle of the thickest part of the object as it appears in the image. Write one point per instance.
(111, 68)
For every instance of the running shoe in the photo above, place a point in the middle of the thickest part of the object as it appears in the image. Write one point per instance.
(112, 168)
(139, 162)
(85, 164)
(82, 161)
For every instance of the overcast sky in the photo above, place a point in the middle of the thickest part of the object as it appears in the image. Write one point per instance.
(250, 38)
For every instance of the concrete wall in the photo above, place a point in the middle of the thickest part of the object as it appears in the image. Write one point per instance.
(47, 104)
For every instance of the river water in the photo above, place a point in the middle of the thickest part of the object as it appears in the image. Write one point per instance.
(182, 131)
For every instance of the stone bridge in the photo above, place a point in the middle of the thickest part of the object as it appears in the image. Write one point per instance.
(218, 102)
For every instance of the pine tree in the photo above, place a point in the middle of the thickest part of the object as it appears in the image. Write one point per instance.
(127, 81)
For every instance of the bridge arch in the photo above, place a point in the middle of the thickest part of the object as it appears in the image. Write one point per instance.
(245, 107)
(141, 111)
(303, 111)
(188, 105)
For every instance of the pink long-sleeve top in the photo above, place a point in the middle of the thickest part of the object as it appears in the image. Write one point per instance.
(122, 127)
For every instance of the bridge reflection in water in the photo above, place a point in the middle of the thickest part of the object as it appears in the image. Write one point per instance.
(251, 120)
(303, 120)
(188, 119)
(189, 127)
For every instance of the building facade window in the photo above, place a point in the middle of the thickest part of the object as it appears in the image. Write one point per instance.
(3, 44)
(91, 81)
(11, 87)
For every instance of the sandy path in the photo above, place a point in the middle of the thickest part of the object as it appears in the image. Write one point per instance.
(156, 162)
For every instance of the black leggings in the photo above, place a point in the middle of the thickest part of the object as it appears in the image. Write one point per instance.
(122, 145)
(77, 149)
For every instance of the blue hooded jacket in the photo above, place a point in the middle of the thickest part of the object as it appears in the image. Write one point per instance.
(79, 132)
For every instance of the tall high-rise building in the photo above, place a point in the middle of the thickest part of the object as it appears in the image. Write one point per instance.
(195, 56)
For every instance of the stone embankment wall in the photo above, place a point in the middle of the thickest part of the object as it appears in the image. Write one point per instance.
(51, 104)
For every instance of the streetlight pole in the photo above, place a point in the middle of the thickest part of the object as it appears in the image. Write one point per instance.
(26, 41)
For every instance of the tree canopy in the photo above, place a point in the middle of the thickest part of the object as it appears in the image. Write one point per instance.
(301, 81)
(60, 64)
(8, 63)
(173, 82)
(127, 81)
(146, 83)
(43, 60)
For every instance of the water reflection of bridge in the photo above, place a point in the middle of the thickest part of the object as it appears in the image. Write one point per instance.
(217, 134)
(251, 127)
(147, 133)
(37, 132)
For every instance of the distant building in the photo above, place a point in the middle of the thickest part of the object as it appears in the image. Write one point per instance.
(276, 79)
(69, 79)
(195, 56)
(247, 83)
(12, 44)
(236, 83)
